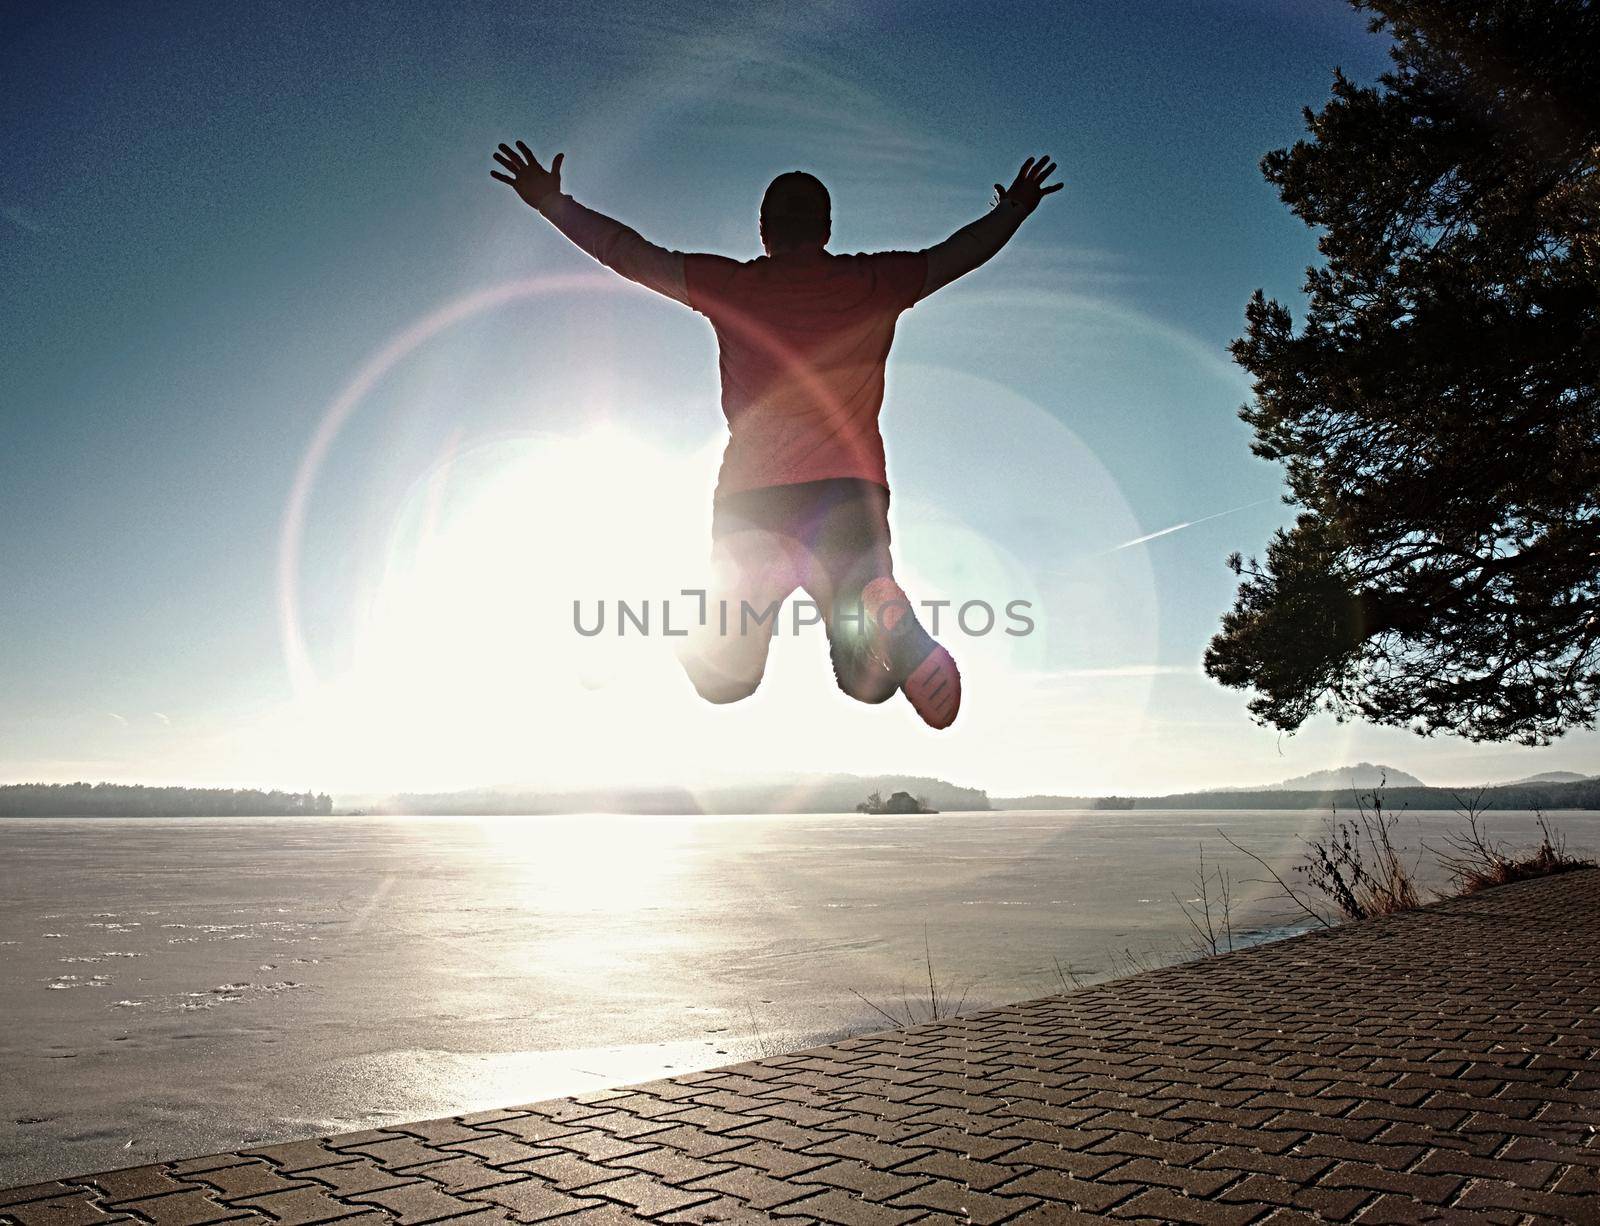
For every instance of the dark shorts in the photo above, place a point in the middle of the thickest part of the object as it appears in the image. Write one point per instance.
(841, 522)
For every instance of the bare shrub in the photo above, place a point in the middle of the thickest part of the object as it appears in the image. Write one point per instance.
(1210, 911)
(1356, 866)
(1354, 870)
(1478, 861)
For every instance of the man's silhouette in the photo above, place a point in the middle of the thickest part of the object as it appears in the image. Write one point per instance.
(802, 497)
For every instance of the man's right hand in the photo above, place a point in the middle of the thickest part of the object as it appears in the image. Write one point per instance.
(532, 181)
(1027, 189)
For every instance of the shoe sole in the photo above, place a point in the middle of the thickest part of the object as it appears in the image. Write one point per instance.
(934, 688)
(933, 683)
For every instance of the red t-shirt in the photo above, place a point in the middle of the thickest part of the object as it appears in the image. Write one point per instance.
(802, 345)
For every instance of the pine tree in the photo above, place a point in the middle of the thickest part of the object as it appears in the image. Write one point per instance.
(1438, 413)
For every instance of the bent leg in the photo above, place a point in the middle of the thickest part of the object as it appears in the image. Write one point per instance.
(851, 550)
(753, 573)
(877, 642)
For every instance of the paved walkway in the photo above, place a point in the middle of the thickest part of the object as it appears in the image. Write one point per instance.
(1437, 1066)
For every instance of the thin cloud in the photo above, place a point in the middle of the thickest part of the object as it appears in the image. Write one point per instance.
(23, 219)
(121, 719)
(1117, 671)
(1101, 312)
(1132, 670)
(163, 718)
(1188, 523)
(768, 84)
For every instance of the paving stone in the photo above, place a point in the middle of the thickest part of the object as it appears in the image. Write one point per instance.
(626, 1125)
(1297, 1167)
(843, 1209)
(302, 1206)
(600, 1215)
(649, 1195)
(39, 1191)
(1037, 1155)
(457, 1175)
(414, 1203)
(367, 1136)
(565, 1109)
(354, 1178)
(1060, 1215)
(1168, 1206)
(396, 1153)
(968, 1145)
(1576, 1181)
(778, 1132)
(175, 1209)
(695, 1143)
(670, 1166)
(862, 1179)
(775, 1160)
(1058, 1187)
(76, 1210)
(963, 1203)
(880, 1154)
(499, 1150)
(478, 1119)
(211, 1162)
(1391, 1209)
(1484, 1194)
(968, 1172)
(1438, 1189)
(1133, 1145)
(1331, 1203)
(439, 1132)
(134, 1183)
(724, 1211)
(295, 1156)
(751, 1187)
(533, 1129)
(252, 1179)
(533, 1200)
(565, 1171)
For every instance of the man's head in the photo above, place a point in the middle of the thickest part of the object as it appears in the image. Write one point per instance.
(795, 213)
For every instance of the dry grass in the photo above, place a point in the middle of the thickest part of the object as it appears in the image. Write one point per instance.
(1354, 870)
(1478, 862)
(912, 1011)
(1356, 866)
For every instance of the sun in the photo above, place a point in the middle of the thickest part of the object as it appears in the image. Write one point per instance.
(467, 655)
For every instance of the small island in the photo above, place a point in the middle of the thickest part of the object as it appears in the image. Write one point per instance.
(899, 802)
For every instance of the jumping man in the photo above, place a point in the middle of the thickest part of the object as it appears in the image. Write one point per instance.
(802, 498)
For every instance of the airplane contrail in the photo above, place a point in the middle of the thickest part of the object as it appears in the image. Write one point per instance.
(1188, 523)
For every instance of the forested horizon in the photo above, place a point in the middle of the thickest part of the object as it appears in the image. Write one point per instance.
(139, 800)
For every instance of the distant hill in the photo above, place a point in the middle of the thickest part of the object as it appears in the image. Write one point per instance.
(1552, 777)
(1584, 794)
(1361, 775)
(799, 794)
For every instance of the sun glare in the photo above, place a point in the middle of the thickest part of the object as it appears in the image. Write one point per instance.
(467, 653)
(468, 668)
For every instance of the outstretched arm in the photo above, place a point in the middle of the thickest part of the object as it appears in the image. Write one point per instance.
(619, 248)
(977, 241)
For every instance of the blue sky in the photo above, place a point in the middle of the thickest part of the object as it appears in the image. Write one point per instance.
(215, 217)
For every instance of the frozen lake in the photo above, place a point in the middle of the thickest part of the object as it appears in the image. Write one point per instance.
(179, 986)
